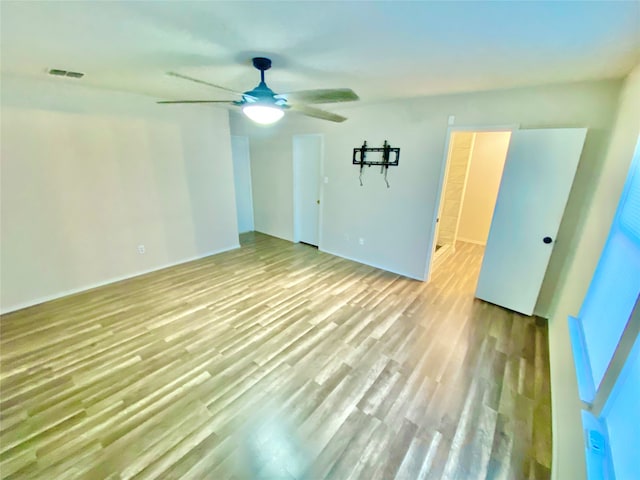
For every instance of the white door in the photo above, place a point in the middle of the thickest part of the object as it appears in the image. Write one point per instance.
(535, 185)
(307, 153)
(242, 182)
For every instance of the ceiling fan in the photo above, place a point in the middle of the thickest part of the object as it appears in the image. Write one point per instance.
(263, 105)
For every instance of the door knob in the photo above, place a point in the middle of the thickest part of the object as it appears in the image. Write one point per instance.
(547, 240)
(318, 202)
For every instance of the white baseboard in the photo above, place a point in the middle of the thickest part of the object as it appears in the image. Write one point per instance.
(276, 236)
(65, 293)
(372, 265)
(468, 240)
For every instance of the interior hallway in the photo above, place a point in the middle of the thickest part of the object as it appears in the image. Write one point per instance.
(276, 361)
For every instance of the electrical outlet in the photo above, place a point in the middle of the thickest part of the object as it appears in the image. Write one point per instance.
(141, 249)
(361, 241)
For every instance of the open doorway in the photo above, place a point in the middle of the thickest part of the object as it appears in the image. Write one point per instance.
(522, 221)
(473, 171)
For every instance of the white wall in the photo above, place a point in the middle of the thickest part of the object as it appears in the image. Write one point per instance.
(242, 182)
(396, 223)
(595, 217)
(483, 182)
(89, 175)
(272, 182)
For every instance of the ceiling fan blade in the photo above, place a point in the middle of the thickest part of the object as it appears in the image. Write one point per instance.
(185, 77)
(196, 101)
(329, 95)
(317, 113)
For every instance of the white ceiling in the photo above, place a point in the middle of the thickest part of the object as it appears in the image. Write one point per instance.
(382, 50)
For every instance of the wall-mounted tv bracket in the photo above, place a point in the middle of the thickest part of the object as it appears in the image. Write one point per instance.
(384, 164)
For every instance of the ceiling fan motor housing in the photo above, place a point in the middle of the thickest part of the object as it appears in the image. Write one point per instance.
(262, 93)
(262, 63)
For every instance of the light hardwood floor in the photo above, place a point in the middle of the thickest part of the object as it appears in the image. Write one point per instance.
(276, 361)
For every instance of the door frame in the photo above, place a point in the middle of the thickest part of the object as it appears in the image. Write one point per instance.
(431, 248)
(443, 192)
(296, 208)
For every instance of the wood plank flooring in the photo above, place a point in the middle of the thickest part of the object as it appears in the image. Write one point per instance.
(276, 361)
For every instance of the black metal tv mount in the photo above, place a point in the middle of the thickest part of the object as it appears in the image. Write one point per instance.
(384, 164)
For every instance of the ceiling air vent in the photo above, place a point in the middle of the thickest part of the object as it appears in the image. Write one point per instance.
(64, 73)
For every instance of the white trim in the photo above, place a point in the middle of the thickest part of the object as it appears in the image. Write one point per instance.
(475, 242)
(484, 128)
(55, 296)
(321, 190)
(442, 187)
(276, 236)
(373, 265)
(295, 173)
(445, 156)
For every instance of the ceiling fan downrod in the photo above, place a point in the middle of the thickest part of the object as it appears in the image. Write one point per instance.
(262, 64)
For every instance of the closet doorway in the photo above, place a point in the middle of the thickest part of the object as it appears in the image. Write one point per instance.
(470, 187)
(532, 192)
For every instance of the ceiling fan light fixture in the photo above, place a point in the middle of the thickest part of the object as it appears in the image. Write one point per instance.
(263, 114)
